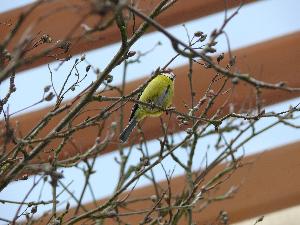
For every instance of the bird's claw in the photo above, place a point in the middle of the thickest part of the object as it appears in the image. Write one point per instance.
(169, 109)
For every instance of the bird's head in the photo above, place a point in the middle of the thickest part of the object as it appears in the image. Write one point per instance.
(169, 74)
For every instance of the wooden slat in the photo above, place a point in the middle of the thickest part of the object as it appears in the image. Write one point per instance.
(276, 67)
(271, 183)
(60, 22)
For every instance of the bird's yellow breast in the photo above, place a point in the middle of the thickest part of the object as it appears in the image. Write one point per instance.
(159, 92)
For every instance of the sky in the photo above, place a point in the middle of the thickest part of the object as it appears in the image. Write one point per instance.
(255, 23)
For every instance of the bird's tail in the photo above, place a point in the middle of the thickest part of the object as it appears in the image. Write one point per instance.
(127, 131)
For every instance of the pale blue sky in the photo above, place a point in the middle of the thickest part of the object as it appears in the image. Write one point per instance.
(12, 4)
(255, 22)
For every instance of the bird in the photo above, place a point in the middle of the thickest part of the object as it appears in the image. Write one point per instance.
(158, 92)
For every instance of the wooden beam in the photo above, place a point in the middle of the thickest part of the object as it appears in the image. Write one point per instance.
(64, 16)
(276, 67)
(269, 184)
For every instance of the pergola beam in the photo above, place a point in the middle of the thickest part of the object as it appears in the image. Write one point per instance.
(61, 17)
(279, 58)
(269, 183)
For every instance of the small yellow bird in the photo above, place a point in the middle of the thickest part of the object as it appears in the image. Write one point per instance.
(158, 92)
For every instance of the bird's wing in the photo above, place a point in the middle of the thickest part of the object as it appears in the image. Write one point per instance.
(133, 110)
(135, 107)
(151, 97)
(156, 98)
(160, 99)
